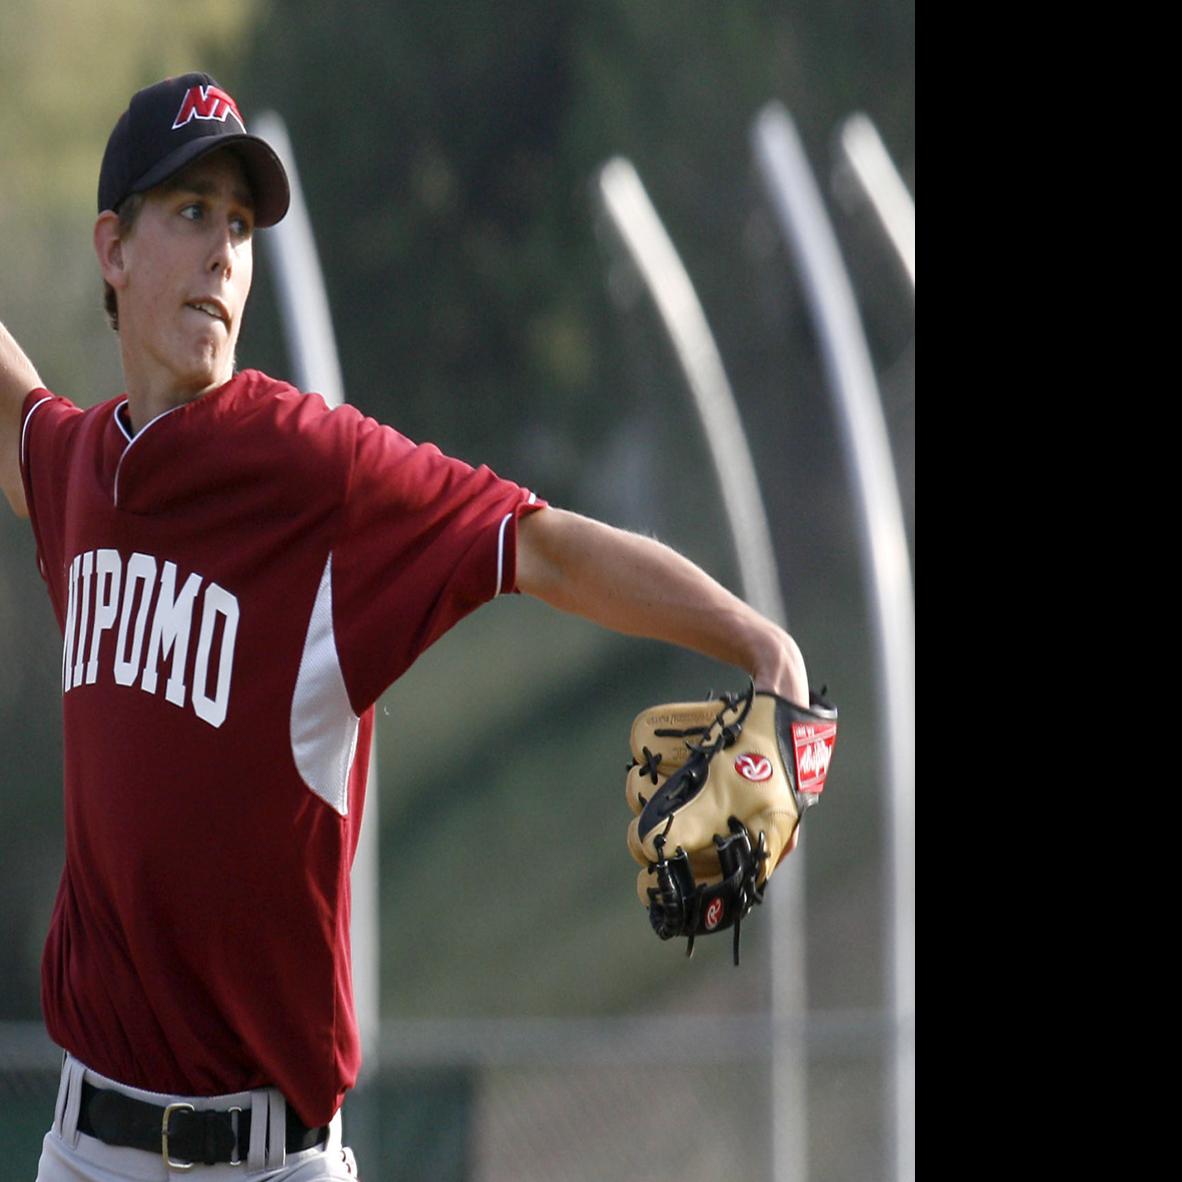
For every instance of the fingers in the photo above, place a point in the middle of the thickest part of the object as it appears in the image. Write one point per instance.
(668, 730)
(640, 787)
(703, 865)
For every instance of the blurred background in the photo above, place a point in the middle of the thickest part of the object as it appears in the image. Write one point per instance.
(448, 153)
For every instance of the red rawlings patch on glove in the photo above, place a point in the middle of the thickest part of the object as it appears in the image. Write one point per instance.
(754, 767)
(813, 746)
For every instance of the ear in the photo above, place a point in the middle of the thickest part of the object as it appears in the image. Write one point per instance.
(108, 247)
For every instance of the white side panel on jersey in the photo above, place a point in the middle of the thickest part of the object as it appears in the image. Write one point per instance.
(323, 725)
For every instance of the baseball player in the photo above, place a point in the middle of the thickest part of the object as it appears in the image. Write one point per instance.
(239, 572)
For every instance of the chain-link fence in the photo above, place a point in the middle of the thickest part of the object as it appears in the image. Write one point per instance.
(678, 1098)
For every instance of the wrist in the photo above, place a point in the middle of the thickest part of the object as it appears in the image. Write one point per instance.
(780, 670)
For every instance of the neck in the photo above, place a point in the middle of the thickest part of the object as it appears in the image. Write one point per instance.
(151, 392)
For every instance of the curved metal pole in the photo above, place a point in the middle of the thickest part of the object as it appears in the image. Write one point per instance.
(797, 202)
(311, 344)
(868, 162)
(299, 282)
(636, 221)
(632, 213)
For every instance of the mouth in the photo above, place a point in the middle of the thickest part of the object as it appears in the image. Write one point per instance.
(214, 309)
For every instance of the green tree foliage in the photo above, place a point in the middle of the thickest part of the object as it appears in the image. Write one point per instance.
(67, 65)
(447, 151)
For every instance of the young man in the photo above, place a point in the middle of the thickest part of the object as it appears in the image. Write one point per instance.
(239, 573)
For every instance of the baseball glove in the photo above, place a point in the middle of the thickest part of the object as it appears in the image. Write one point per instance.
(723, 784)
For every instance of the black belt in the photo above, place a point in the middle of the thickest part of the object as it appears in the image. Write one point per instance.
(183, 1134)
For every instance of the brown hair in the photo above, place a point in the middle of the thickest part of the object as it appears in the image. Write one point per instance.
(128, 211)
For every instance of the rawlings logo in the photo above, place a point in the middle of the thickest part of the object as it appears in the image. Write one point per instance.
(754, 767)
(207, 102)
(814, 749)
(714, 914)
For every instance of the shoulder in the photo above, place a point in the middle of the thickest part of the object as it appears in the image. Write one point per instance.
(54, 439)
(45, 414)
(314, 448)
(313, 436)
(303, 424)
(52, 407)
(343, 433)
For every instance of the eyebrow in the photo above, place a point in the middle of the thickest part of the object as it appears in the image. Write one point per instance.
(202, 187)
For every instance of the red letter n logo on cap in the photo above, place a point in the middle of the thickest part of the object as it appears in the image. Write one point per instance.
(207, 102)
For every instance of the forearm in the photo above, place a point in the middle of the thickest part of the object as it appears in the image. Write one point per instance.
(641, 587)
(17, 378)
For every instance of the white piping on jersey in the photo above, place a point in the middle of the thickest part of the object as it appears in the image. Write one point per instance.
(323, 725)
(501, 552)
(134, 439)
(119, 422)
(32, 412)
(501, 544)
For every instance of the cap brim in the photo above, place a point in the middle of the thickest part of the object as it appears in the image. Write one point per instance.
(264, 172)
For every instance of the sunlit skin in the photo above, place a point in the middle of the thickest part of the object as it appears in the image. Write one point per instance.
(181, 277)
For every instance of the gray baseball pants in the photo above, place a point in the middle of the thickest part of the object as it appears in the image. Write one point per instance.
(70, 1156)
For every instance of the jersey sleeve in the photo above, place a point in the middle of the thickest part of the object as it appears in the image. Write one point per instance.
(47, 423)
(426, 539)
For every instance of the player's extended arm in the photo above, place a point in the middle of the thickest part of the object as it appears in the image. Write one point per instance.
(17, 378)
(639, 586)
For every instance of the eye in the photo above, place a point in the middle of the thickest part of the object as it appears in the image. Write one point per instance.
(242, 227)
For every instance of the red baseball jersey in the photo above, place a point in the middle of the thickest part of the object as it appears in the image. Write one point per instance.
(236, 585)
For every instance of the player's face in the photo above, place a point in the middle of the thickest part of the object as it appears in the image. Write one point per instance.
(188, 267)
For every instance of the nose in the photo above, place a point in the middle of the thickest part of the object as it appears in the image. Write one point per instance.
(222, 252)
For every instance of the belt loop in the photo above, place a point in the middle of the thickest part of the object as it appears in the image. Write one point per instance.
(333, 1141)
(59, 1108)
(70, 1098)
(257, 1158)
(63, 1088)
(235, 1127)
(276, 1128)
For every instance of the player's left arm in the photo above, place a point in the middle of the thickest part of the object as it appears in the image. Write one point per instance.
(639, 586)
(17, 378)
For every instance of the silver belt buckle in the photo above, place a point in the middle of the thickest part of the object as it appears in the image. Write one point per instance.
(168, 1162)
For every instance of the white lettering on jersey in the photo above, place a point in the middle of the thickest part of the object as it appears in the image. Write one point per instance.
(108, 574)
(217, 603)
(170, 633)
(141, 571)
(142, 605)
(80, 647)
(71, 615)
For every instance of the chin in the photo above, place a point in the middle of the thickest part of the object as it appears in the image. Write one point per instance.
(213, 370)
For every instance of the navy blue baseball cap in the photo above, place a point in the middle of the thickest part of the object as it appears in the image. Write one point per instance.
(172, 123)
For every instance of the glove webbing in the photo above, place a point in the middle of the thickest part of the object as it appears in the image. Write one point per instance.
(679, 908)
(676, 906)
